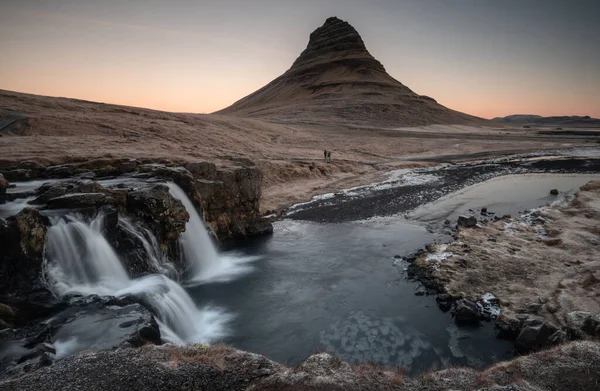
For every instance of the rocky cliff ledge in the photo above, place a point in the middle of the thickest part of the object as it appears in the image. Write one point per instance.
(227, 197)
(572, 366)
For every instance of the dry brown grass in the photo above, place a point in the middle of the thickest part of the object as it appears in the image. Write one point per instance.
(367, 370)
(200, 354)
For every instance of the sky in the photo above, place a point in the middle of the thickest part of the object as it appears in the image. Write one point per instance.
(484, 57)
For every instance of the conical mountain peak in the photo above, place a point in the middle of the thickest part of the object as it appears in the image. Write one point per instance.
(335, 39)
(335, 80)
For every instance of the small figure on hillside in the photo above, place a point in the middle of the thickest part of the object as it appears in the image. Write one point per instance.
(325, 154)
(329, 156)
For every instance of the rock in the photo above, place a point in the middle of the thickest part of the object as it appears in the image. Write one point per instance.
(444, 301)
(535, 334)
(446, 222)
(466, 312)
(52, 190)
(61, 171)
(22, 239)
(80, 200)
(3, 187)
(558, 337)
(554, 192)
(507, 327)
(156, 205)
(581, 324)
(202, 170)
(111, 217)
(484, 210)
(420, 291)
(506, 217)
(464, 221)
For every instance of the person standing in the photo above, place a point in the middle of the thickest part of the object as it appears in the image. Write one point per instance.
(325, 154)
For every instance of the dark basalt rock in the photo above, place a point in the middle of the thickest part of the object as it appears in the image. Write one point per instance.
(464, 221)
(155, 204)
(535, 334)
(52, 190)
(466, 312)
(3, 187)
(80, 200)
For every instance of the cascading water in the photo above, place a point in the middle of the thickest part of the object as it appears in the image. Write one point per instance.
(151, 249)
(83, 261)
(80, 260)
(199, 251)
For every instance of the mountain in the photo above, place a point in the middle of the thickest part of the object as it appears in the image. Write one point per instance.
(566, 120)
(336, 80)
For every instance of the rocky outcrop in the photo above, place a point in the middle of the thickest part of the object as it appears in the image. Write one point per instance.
(54, 190)
(198, 367)
(23, 294)
(116, 323)
(581, 324)
(156, 204)
(3, 187)
(336, 80)
(227, 197)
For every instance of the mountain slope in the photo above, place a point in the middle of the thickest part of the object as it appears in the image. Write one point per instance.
(336, 80)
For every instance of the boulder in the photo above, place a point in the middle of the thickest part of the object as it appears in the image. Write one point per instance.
(464, 221)
(535, 334)
(466, 312)
(554, 192)
(581, 324)
(3, 187)
(444, 301)
(80, 200)
(61, 171)
(155, 204)
(507, 327)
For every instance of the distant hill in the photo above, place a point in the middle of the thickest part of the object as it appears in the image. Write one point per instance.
(530, 119)
(336, 80)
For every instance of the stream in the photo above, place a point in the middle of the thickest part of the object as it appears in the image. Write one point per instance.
(337, 286)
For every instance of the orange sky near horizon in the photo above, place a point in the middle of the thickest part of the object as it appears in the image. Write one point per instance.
(202, 58)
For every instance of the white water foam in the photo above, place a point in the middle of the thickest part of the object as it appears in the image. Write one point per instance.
(200, 253)
(80, 260)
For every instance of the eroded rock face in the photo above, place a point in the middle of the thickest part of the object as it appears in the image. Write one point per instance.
(53, 190)
(156, 204)
(80, 200)
(3, 187)
(22, 290)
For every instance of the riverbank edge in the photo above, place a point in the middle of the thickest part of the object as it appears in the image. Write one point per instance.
(568, 366)
(530, 330)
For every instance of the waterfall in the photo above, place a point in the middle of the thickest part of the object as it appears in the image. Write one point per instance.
(84, 261)
(155, 256)
(199, 251)
(80, 260)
